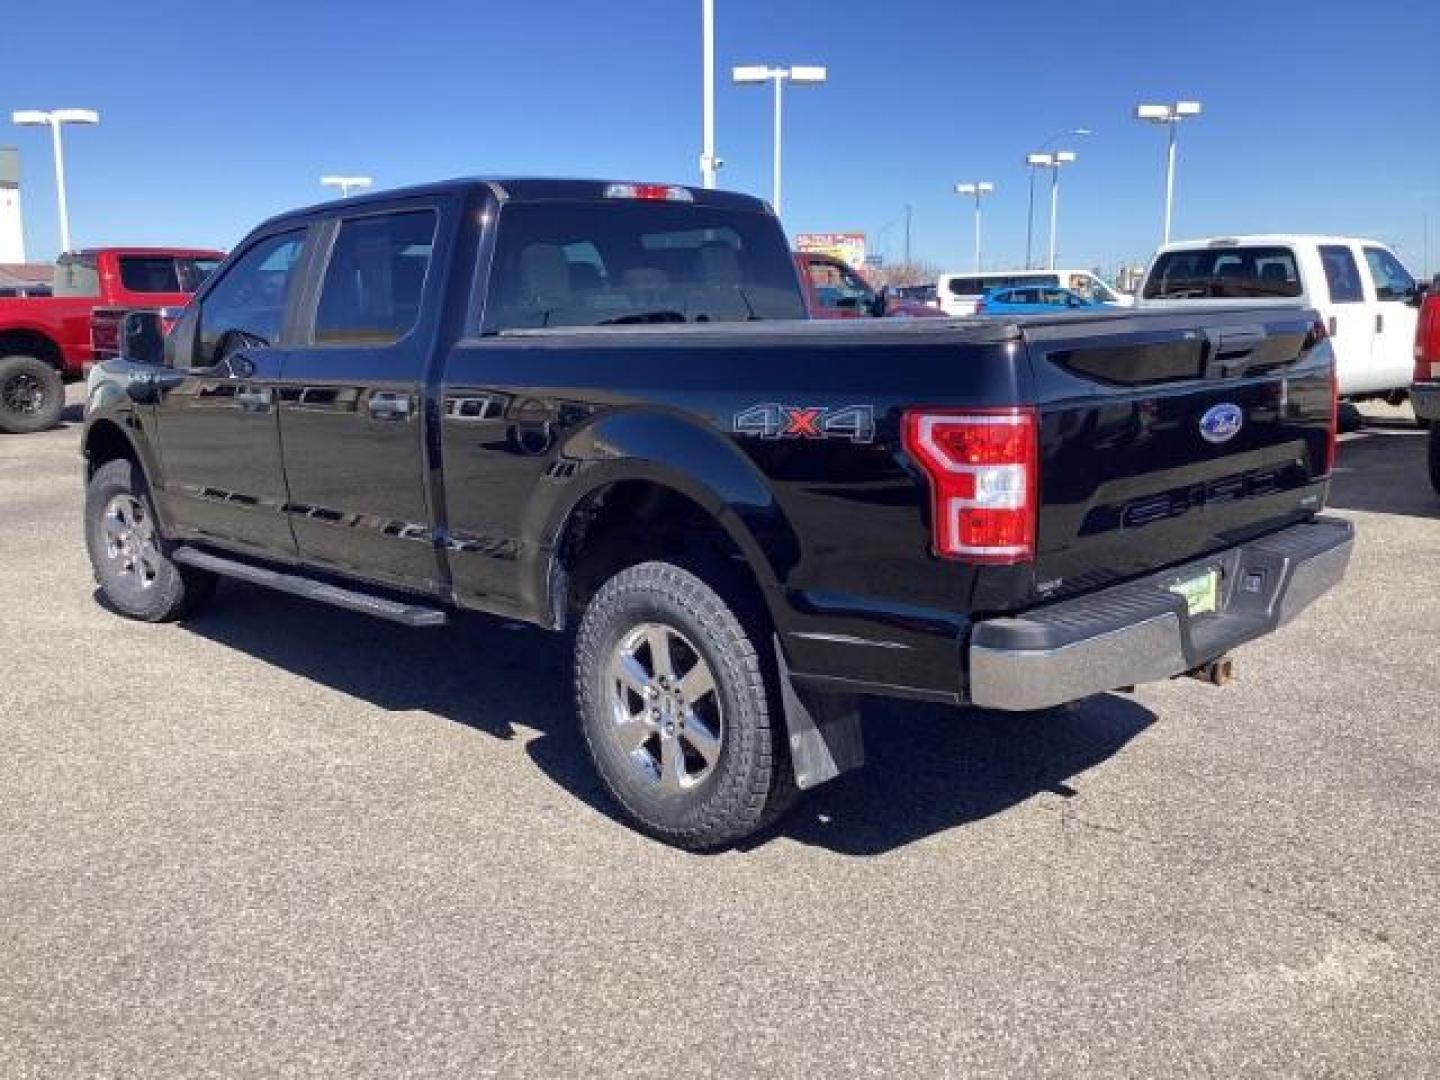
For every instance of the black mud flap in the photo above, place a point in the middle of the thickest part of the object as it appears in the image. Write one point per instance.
(824, 730)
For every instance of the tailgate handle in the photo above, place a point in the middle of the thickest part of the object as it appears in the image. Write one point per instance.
(1228, 348)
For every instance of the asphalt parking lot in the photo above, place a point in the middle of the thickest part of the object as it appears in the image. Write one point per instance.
(284, 840)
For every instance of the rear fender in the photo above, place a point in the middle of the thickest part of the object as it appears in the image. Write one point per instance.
(676, 453)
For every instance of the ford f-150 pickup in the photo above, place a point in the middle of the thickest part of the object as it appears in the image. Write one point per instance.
(596, 406)
(47, 339)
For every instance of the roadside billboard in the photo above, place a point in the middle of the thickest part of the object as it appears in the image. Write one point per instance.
(849, 246)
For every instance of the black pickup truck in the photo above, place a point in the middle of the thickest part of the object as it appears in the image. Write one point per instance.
(596, 406)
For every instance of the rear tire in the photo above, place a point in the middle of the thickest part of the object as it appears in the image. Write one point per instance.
(32, 394)
(680, 709)
(129, 556)
(1434, 455)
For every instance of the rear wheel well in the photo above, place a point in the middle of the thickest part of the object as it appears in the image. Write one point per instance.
(105, 442)
(631, 522)
(32, 343)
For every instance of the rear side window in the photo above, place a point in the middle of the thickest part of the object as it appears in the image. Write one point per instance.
(633, 262)
(75, 275)
(149, 274)
(372, 289)
(1392, 280)
(978, 286)
(1230, 272)
(1342, 275)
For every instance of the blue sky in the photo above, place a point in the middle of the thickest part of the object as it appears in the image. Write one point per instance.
(1320, 115)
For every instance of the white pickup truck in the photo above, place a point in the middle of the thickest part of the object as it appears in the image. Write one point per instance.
(1364, 294)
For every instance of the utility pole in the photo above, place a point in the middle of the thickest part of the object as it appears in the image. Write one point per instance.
(909, 210)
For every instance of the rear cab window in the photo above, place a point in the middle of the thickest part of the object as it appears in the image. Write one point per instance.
(1230, 271)
(609, 263)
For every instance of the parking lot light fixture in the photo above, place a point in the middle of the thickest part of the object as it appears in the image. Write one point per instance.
(1053, 160)
(347, 184)
(977, 190)
(802, 75)
(55, 119)
(1079, 132)
(1170, 116)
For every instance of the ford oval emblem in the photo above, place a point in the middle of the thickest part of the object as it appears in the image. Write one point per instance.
(1221, 422)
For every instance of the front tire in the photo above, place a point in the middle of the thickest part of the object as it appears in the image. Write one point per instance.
(678, 710)
(130, 558)
(32, 394)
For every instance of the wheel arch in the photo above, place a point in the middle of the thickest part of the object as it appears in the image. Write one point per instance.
(655, 465)
(30, 341)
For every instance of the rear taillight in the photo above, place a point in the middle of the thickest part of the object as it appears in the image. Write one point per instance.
(983, 467)
(1332, 437)
(1427, 343)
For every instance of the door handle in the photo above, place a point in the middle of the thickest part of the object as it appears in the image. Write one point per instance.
(1334, 325)
(254, 400)
(385, 405)
(1379, 322)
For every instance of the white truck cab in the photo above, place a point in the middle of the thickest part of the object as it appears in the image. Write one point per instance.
(960, 293)
(1364, 294)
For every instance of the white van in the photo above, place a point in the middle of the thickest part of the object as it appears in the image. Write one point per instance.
(961, 293)
(1364, 294)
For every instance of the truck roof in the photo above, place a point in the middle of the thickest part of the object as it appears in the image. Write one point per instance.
(1268, 238)
(527, 189)
(200, 252)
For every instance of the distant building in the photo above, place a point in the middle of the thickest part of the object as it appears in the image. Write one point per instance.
(26, 279)
(12, 230)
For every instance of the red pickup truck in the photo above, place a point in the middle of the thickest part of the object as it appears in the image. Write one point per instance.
(834, 291)
(46, 339)
(1425, 392)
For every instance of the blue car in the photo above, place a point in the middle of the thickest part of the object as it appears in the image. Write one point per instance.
(1032, 300)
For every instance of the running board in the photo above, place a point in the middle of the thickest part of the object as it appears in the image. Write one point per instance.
(310, 589)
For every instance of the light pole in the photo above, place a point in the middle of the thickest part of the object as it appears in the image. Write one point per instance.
(346, 184)
(1030, 211)
(709, 163)
(979, 189)
(760, 73)
(1170, 116)
(1052, 161)
(54, 120)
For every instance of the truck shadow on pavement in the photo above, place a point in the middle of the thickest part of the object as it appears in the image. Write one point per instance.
(1382, 469)
(929, 768)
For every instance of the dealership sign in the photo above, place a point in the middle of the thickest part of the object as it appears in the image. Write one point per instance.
(849, 246)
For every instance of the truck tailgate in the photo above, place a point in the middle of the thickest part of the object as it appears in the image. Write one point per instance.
(1165, 436)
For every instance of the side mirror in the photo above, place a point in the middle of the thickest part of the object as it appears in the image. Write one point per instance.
(1418, 294)
(142, 341)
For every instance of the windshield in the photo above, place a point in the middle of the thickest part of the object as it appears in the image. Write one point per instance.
(625, 262)
(1229, 272)
(836, 284)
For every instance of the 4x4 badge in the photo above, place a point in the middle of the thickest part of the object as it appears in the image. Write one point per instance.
(776, 421)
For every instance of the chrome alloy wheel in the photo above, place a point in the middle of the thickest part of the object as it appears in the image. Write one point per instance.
(23, 393)
(665, 707)
(129, 536)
